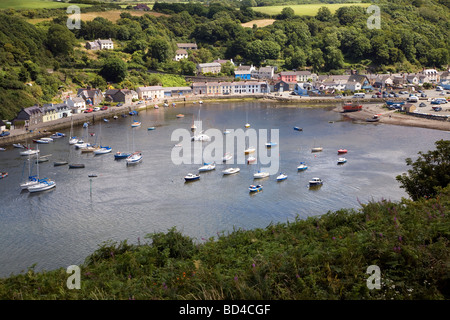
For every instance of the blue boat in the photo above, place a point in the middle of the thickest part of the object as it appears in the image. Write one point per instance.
(302, 166)
(191, 177)
(122, 155)
(256, 188)
(298, 129)
(85, 125)
(270, 144)
(151, 128)
(134, 112)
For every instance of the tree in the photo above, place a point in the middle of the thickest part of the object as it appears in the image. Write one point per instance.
(324, 14)
(187, 67)
(114, 70)
(430, 171)
(227, 68)
(160, 50)
(287, 13)
(60, 40)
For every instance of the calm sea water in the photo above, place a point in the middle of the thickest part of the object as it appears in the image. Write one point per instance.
(60, 227)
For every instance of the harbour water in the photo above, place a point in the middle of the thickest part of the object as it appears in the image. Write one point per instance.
(62, 226)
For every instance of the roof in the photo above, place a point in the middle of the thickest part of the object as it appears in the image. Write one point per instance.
(177, 88)
(109, 41)
(304, 72)
(33, 110)
(211, 64)
(150, 88)
(357, 78)
(267, 68)
(288, 73)
(181, 51)
(187, 45)
(243, 68)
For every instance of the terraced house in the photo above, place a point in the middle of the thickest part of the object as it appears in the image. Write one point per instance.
(29, 117)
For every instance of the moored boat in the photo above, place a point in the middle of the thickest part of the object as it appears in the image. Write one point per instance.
(351, 107)
(150, 128)
(134, 158)
(260, 175)
(249, 150)
(180, 115)
(18, 145)
(103, 150)
(341, 161)
(29, 152)
(121, 155)
(251, 159)
(255, 188)
(135, 124)
(76, 166)
(282, 177)
(191, 177)
(227, 156)
(44, 184)
(316, 149)
(270, 144)
(315, 182)
(231, 171)
(3, 175)
(60, 163)
(341, 151)
(207, 167)
(298, 129)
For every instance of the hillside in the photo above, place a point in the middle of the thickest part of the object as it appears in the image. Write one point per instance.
(321, 258)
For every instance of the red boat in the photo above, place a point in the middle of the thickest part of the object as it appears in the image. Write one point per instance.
(340, 151)
(350, 107)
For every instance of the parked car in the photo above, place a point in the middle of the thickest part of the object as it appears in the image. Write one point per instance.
(104, 108)
(120, 104)
(420, 91)
(423, 95)
(5, 133)
(96, 109)
(374, 96)
(88, 110)
(338, 97)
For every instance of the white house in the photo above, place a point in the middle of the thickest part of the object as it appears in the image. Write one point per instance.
(353, 86)
(181, 54)
(304, 76)
(412, 78)
(100, 44)
(77, 104)
(149, 93)
(266, 72)
(432, 74)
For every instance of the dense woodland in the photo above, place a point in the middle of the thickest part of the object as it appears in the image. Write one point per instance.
(52, 58)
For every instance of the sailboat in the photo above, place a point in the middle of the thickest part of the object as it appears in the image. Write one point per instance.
(316, 149)
(194, 127)
(43, 184)
(247, 125)
(32, 180)
(102, 149)
(135, 157)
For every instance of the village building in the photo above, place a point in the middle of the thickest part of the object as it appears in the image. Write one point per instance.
(30, 116)
(76, 104)
(212, 67)
(151, 92)
(100, 44)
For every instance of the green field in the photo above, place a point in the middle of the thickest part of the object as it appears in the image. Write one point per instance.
(35, 4)
(306, 9)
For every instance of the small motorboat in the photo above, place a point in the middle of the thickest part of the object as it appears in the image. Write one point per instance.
(150, 128)
(43, 140)
(105, 120)
(247, 125)
(121, 155)
(92, 175)
(193, 127)
(40, 160)
(201, 102)
(249, 150)
(103, 150)
(422, 104)
(341, 151)
(270, 144)
(85, 125)
(76, 166)
(156, 106)
(282, 177)
(251, 159)
(3, 175)
(341, 161)
(57, 135)
(227, 156)
(260, 175)
(89, 148)
(298, 129)
(226, 132)
(231, 171)
(316, 149)
(73, 140)
(29, 152)
(18, 145)
(207, 167)
(315, 182)
(134, 158)
(165, 105)
(135, 124)
(115, 117)
(255, 188)
(191, 177)
(60, 163)
(134, 112)
(180, 115)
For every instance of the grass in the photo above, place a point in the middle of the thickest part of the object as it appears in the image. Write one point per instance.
(35, 4)
(321, 258)
(306, 9)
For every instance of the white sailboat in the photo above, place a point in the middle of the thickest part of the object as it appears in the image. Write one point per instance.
(72, 138)
(32, 180)
(231, 171)
(135, 157)
(43, 184)
(207, 167)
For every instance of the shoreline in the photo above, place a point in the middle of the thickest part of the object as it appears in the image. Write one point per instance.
(47, 128)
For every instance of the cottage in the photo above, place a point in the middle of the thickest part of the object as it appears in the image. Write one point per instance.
(445, 77)
(284, 86)
(213, 88)
(305, 76)
(432, 74)
(243, 74)
(302, 88)
(187, 46)
(266, 72)
(123, 95)
(409, 107)
(2, 126)
(177, 91)
(76, 104)
(100, 44)
(246, 87)
(412, 79)
(49, 113)
(213, 67)
(29, 116)
(91, 97)
(149, 93)
(363, 80)
(288, 76)
(199, 88)
(181, 54)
